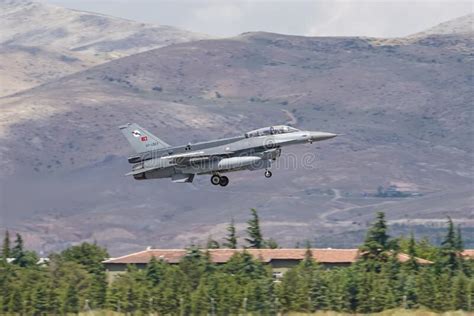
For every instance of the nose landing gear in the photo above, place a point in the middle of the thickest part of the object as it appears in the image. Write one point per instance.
(218, 180)
(268, 173)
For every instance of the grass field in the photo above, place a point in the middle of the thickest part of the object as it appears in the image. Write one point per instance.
(394, 312)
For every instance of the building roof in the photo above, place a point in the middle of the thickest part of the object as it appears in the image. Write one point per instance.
(40, 261)
(468, 253)
(328, 255)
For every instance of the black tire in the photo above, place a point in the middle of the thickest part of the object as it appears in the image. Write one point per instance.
(215, 179)
(268, 174)
(224, 181)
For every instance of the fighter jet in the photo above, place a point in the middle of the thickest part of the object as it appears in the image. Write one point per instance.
(253, 150)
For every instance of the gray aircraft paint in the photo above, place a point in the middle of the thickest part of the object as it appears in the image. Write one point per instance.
(254, 150)
(141, 139)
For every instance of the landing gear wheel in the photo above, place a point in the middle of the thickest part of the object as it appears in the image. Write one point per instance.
(215, 179)
(268, 174)
(224, 181)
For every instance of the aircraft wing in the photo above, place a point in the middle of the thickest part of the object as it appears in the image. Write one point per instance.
(182, 159)
(141, 170)
(190, 155)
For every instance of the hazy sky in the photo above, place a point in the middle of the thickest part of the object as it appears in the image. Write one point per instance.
(298, 17)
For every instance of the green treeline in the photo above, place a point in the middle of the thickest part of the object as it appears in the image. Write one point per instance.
(75, 280)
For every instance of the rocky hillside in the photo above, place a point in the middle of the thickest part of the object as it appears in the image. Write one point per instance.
(463, 25)
(405, 110)
(41, 42)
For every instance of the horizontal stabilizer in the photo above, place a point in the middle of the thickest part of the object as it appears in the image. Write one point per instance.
(183, 178)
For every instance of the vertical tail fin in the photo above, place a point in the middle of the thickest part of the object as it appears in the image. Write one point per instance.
(140, 139)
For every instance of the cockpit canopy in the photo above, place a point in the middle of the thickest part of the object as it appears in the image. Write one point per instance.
(271, 130)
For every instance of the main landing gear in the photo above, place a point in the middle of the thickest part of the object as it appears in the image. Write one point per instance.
(219, 180)
(224, 181)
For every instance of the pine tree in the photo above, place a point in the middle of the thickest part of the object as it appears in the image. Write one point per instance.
(212, 243)
(412, 263)
(426, 288)
(350, 288)
(98, 290)
(426, 250)
(40, 300)
(155, 271)
(71, 301)
(394, 287)
(303, 302)
(145, 302)
(364, 292)
(319, 290)
(393, 271)
(113, 298)
(376, 241)
(260, 296)
(231, 238)
(200, 300)
(470, 286)
(88, 255)
(271, 244)
(175, 285)
(288, 291)
(28, 303)
(459, 245)
(449, 252)
(132, 300)
(443, 301)
(410, 296)
(378, 232)
(16, 302)
(22, 257)
(382, 293)
(193, 265)
(17, 252)
(458, 242)
(338, 290)
(253, 230)
(229, 293)
(461, 292)
(54, 302)
(6, 247)
(308, 261)
(377, 244)
(207, 266)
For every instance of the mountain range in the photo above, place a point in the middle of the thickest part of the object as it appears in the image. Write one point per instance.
(46, 42)
(403, 107)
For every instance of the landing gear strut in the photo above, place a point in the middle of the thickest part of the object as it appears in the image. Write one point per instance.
(268, 174)
(218, 180)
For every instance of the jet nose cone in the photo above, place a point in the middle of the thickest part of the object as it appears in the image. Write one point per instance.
(317, 136)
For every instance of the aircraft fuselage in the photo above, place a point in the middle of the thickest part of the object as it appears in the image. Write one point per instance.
(255, 150)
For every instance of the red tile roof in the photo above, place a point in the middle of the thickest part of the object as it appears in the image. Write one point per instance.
(403, 257)
(265, 255)
(468, 253)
